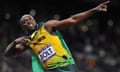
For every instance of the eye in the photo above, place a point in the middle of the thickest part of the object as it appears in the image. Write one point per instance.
(25, 20)
(29, 18)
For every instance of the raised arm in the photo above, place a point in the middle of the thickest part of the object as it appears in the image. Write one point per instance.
(78, 17)
(16, 47)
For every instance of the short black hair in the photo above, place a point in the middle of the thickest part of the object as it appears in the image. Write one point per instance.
(21, 21)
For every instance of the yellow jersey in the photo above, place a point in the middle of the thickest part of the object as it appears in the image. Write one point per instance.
(50, 49)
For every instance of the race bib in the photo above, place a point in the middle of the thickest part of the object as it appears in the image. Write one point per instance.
(46, 53)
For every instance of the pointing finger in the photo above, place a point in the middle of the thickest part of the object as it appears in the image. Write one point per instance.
(106, 2)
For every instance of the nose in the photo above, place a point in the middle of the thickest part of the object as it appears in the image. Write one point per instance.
(28, 22)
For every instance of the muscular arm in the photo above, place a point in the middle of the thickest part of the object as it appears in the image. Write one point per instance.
(74, 19)
(15, 47)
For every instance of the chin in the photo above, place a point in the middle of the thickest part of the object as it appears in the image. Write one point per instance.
(31, 29)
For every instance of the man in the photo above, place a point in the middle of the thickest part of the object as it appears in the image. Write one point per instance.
(50, 52)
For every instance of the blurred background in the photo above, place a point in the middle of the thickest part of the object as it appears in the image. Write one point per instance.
(95, 42)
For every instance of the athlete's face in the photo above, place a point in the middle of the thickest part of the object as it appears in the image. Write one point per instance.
(29, 23)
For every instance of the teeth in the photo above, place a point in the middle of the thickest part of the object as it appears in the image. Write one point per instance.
(31, 25)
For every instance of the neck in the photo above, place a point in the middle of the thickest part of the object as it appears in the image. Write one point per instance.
(31, 31)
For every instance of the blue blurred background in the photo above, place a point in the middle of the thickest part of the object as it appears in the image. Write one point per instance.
(95, 42)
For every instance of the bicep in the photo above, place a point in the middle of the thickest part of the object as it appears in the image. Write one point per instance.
(13, 49)
(61, 24)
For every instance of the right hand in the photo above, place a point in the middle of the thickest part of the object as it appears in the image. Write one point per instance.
(19, 46)
(22, 40)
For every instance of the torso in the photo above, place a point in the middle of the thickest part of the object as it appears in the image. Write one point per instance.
(49, 49)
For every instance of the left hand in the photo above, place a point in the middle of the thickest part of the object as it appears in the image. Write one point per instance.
(102, 7)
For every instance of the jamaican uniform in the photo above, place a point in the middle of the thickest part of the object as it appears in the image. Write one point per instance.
(51, 51)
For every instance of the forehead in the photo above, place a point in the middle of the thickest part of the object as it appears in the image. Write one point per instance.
(24, 17)
(27, 17)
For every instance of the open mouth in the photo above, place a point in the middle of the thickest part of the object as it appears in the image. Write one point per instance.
(31, 25)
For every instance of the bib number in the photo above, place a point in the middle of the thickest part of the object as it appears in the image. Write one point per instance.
(46, 53)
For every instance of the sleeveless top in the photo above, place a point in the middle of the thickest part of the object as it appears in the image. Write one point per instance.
(50, 49)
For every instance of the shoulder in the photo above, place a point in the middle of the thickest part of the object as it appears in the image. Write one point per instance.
(51, 25)
(51, 22)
